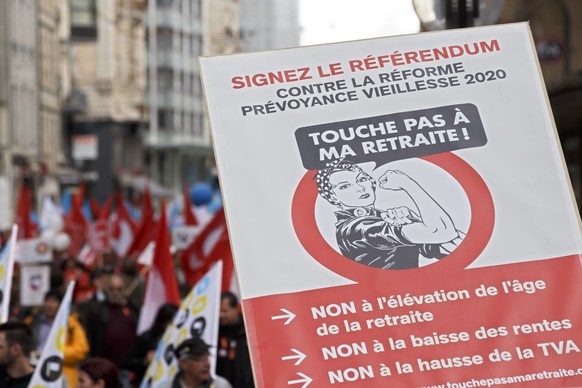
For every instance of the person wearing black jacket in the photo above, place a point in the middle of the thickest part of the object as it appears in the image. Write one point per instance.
(233, 358)
(111, 326)
(16, 343)
(144, 349)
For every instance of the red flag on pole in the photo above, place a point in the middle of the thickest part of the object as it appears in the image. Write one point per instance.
(26, 228)
(145, 232)
(189, 216)
(161, 286)
(147, 209)
(221, 251)
(95, 209)
(123, 230)
(75, 223)
(106, 209)
(195, 258)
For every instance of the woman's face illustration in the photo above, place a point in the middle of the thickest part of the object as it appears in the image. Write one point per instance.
(352, 188)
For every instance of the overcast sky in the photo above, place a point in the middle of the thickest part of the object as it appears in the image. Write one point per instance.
(326, 21)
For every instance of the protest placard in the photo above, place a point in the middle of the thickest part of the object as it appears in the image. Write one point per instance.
(197, 317)
(33, 250)
(34, 284)
(98, 235)
(399, 212)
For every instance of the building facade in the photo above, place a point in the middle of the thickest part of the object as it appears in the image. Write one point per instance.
(269, 24)
(30, 96)
(558, 39)
(19, 93)
(177, 141)
(106, 107)
(222, 27)
(50, 139)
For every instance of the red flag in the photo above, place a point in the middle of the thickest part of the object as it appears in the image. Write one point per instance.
(221, 251)
(124, 229)
(146, 203)
(106, 209)
(75, 223)
(145, 232)
(26, 228)
(87, 256)
(189, 216)
(80, 195)
(95, 209)
(143, 236)
(161, 286)
(229, 281)
(196, 256)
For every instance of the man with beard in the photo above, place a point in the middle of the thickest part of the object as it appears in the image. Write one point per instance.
(16, 344)
(111, 326)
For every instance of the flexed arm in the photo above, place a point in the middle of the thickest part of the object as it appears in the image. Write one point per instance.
(435, 226)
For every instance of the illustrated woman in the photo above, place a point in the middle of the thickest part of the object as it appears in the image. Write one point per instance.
(383, 238)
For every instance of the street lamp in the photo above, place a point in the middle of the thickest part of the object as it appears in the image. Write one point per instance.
(446, 14)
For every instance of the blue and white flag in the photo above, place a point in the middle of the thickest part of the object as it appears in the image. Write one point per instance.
(49, 369)
(7, 257)
(198, 315)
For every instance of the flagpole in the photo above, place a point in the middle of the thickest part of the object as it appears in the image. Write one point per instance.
(10, 254)
(135, 281)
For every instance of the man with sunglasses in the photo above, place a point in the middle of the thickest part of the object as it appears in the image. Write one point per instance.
(194, 363)
(111, 326)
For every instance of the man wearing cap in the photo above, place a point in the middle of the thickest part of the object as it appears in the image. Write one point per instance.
(194, 367)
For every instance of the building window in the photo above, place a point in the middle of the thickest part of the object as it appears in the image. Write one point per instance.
(188, 84)
(198, 124)
(83, 19)
(165, 120)
(197, 9)
(165, 80)
(187, 123)
(165, 40)
(166, 4)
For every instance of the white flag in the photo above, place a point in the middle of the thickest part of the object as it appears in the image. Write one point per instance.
(49, 369)
(6, 267)
(51, 216)
(146, 257)
(198, 315)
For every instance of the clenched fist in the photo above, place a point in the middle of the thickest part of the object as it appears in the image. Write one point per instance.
(394, 180)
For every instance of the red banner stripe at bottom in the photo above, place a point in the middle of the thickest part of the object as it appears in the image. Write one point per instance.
(518, 324)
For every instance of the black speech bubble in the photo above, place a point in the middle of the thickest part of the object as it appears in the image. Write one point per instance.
(198, 326)
(52, 368)
(390, 140)
(183, 317)
(169, 354)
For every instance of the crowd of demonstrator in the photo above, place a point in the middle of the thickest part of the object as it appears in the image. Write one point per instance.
(102, 348)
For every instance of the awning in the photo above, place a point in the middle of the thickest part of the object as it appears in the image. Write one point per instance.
(139, 182)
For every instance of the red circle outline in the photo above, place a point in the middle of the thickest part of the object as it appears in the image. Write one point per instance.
(478, 235)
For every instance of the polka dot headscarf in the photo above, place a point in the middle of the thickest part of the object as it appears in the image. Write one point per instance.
(323, 182)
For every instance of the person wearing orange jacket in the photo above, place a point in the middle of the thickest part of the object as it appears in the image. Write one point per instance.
(76, 349)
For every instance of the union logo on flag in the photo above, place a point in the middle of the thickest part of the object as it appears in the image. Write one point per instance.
(41, 248)
(35, 282)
